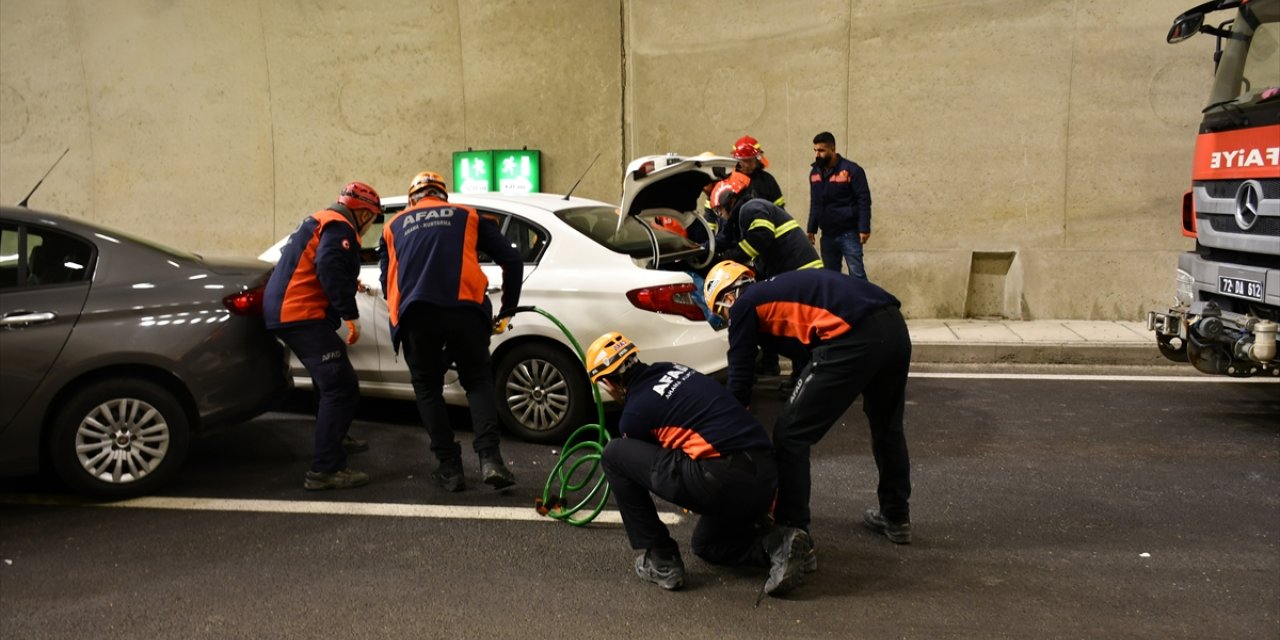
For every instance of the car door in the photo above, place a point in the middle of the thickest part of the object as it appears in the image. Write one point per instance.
(44, 280)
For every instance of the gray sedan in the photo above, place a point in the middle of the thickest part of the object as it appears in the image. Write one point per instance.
(113, 350)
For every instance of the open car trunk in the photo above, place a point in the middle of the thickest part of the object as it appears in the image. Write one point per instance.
(669, 186)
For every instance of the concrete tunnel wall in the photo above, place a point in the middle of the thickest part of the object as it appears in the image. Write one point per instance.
(1057, 132)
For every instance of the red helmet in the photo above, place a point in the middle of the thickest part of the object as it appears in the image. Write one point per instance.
(359, 195)
(670, 224)
(747, 147)
(728, 188)
(745, 151)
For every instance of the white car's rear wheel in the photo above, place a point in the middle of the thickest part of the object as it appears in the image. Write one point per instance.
(542, 393)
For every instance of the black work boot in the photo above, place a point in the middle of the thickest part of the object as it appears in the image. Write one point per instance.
(663, 567)
(896, 532)
(788, 549)
(340, 479)
(495, 471)
(449, 475)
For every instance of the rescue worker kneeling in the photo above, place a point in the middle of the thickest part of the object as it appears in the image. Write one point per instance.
(686, 439)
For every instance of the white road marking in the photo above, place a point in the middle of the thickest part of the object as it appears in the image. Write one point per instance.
(309, 507)
(1093, 378)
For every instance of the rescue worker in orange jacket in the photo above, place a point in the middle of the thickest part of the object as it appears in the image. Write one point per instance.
(856, 342)
(684, 438)
(312, 292)
(437, 300)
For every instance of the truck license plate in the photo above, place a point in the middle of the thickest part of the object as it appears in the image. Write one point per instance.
(1240, 287)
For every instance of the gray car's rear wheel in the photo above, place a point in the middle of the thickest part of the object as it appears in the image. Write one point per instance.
(119, 438)
(542, 393)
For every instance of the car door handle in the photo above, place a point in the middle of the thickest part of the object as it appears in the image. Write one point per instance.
(493, 290)
(19, 319)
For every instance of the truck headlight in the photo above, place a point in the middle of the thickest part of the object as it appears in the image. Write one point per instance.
(1184, 288)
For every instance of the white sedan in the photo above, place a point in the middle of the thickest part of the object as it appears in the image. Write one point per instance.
(584, 264)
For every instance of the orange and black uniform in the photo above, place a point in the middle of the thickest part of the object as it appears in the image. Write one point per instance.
(311, 290)
(315, 277)
(856, 343)
(436, 298)
(687, 440)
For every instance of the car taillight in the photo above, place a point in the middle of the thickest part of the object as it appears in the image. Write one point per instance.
(247, 303)
(671, 298)
(1188, 215)
(644, 170)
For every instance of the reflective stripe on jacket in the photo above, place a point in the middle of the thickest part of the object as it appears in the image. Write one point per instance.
(773, 240)
(316, 275)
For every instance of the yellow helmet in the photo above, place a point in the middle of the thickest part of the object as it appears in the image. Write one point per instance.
(607, 353)
(724, 277)
(425, 181)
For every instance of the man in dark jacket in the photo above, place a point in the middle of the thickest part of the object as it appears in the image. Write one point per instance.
(312, 292)
(684, 438)
(753, 164)
(437, 300)
(770, 237)
(839, 205)
(857, 344)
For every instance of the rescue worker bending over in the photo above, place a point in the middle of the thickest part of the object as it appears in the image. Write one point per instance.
(773, 241)
(436, 300)
(856, 342)
(311, 292)
(684, 438)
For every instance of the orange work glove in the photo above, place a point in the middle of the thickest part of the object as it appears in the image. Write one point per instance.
(353, 331)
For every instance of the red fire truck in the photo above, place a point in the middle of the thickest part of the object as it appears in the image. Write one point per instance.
(1228, 289)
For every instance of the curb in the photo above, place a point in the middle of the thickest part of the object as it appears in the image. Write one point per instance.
(1128, 353)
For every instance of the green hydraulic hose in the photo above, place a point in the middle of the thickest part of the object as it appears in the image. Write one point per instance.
(577, 472)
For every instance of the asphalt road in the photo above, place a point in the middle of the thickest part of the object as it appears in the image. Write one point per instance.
(1043, 508)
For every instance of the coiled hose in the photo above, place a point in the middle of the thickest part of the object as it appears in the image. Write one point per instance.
(576, 489)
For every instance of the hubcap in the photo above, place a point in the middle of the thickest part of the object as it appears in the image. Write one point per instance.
(537, 394)
(122, 440)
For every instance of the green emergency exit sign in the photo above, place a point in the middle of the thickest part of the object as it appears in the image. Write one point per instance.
(519, 171)
(502, 170)
(473, 171)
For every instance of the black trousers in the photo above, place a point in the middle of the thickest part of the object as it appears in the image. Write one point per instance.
(871, 360)
(324, 354)
(427, 332)
(732, 495)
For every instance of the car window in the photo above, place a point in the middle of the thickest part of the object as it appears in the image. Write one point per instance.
(47, 258)
(527, 239)
(499, 219)
(601, 224)
(372, 237)
(56, 258)
(8, 255)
